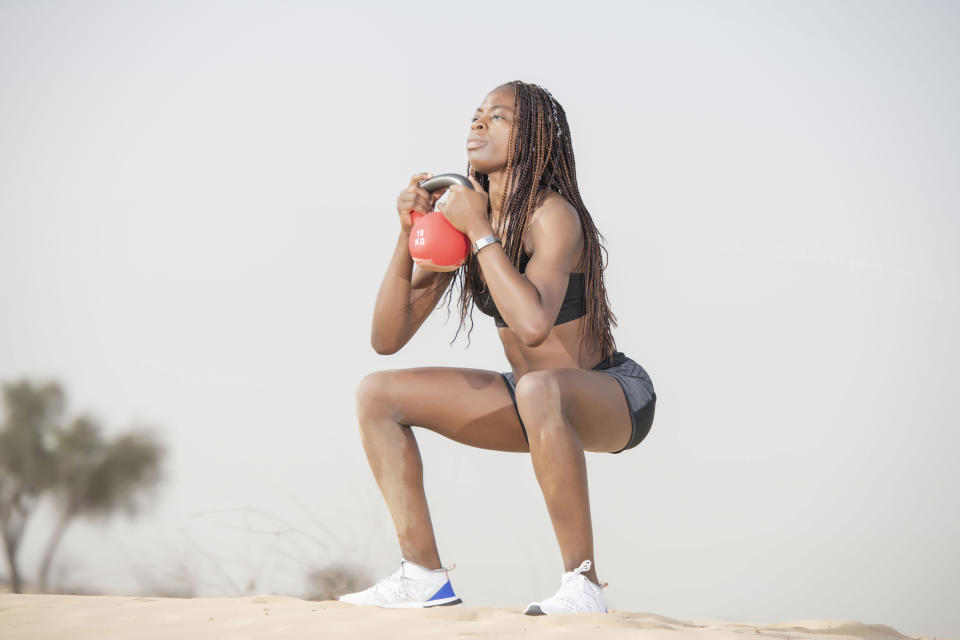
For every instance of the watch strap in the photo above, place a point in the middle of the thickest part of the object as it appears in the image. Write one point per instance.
(484, 241)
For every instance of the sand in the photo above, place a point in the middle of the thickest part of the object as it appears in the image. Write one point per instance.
(30, 616)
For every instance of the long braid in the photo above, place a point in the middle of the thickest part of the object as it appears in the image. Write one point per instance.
(540, 159)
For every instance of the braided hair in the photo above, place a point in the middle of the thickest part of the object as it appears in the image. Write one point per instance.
(539, 160)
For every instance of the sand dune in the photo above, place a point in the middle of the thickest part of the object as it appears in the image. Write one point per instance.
(25, 617)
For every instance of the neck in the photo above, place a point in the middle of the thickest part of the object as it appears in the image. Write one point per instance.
(498, 183)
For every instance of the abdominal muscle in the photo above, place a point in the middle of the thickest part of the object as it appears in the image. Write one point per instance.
(561, 350)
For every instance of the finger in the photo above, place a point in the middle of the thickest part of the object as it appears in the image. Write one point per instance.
(420, 177)
(419, 192)
(415, 201)
(442, 201)
(475, 183)
(420, 203)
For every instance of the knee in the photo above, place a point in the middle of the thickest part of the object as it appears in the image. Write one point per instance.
(372, 393)
(538, 395)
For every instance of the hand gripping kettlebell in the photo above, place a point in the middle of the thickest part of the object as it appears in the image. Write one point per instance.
(432, 237)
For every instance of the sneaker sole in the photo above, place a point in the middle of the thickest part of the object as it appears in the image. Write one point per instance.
(445, 602)
(534, 609)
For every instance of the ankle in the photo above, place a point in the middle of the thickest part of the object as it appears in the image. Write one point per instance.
(592, 577)
(432, 567)
(428, 562)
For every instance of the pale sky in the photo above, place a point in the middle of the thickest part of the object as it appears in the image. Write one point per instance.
(197, 205)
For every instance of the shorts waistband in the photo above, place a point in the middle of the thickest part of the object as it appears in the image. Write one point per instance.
(617, 359)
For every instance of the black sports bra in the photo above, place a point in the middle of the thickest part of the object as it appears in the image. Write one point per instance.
(574, 302)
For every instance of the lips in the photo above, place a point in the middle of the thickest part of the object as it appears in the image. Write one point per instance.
(475, 143)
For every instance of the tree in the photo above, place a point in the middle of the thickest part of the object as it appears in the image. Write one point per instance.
(26, 464)
(84, 474)
(95, 478)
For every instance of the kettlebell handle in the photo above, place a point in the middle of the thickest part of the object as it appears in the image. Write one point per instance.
(445, 180)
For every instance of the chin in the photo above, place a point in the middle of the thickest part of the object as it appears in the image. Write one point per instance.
(478, 164)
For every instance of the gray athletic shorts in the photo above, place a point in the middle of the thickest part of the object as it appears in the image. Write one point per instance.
(636, 385)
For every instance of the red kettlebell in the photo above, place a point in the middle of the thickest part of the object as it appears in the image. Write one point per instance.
(432, 237)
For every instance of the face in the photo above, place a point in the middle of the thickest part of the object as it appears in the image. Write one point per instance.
(490, 131)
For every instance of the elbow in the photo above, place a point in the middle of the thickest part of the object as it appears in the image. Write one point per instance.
(385, 350)
(384, 347)
(535, 341)
(534, 334)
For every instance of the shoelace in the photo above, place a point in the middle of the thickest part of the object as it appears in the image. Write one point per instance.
(395, 583)
(401, 589)
(573, 591)
(391, 585)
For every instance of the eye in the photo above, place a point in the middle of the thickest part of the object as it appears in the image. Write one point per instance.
(496, 115)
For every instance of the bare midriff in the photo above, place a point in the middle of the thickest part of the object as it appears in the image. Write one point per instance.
(561, 350)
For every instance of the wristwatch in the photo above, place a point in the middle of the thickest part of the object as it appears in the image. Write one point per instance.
(484, 241)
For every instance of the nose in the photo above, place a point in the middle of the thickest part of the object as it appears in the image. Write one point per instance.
(476, 124)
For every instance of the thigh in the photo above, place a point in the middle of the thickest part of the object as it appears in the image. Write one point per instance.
(469, 406)
(592, 402)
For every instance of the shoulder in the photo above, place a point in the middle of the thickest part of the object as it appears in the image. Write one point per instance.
(554, 235)
(555, 219)
(555, 210)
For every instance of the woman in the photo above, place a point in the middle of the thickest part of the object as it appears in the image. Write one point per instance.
(536, 268)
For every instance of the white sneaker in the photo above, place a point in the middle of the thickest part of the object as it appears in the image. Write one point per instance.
(576, 595)
(412, 586)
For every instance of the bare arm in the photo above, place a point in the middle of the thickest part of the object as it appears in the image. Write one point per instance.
(405, 299)
(529, 303)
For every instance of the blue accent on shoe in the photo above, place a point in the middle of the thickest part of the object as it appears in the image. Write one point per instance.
(446, 591)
